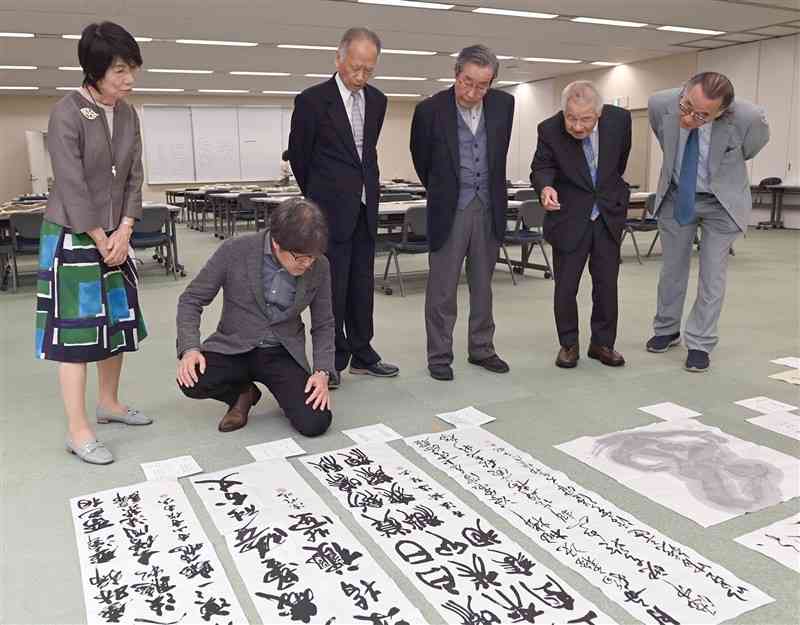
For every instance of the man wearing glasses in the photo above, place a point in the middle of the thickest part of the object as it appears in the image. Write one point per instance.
(267, 280)
(459, 145)
(706, 139)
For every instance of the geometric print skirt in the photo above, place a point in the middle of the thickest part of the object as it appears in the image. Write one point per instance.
(85, 310)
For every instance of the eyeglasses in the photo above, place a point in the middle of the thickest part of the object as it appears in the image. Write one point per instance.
(303, 259)
(469, 85)
(687, 109)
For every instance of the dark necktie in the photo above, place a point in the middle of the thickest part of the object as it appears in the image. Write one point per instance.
(687, 182)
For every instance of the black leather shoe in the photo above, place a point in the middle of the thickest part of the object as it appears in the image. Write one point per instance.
(493, 363)
(568, 357)
(380, 370)
(441, 372)
(661, 343)
(606, 355)
(334, 380)
(697, 361)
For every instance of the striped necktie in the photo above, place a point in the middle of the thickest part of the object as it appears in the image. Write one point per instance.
(588, 151)
(357, 122)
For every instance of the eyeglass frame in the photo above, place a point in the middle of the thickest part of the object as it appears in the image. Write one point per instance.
(469, 86)
(303, 258)
(701, 117)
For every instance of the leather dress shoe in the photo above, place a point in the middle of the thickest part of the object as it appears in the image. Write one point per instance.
(334, 380)
(93, 452)
(379, 369)
(606, 355)
(236, 417)
(568, 357)
(493, 363)
(441, 372)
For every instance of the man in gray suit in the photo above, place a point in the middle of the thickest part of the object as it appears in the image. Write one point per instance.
(706, 139)
(267, 279)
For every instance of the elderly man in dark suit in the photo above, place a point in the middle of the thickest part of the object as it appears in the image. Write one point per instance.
(267, 279)
(459, 144)
(332, 148)
(581, 155)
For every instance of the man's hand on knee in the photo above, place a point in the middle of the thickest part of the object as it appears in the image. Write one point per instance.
(188, 366)
(317, 386)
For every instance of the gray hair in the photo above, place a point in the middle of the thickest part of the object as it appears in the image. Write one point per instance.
(715, 86)
(583, 91)
(478, 55)
(357, 33)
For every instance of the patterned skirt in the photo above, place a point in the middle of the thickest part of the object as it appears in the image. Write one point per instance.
(85, 310)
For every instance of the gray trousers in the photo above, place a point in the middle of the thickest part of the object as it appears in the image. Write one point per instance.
(718, 232)
(471, 237)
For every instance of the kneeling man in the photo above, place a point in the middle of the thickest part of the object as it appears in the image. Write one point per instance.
(267, 279)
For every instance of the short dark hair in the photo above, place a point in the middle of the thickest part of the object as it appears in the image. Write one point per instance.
(100, 44)
(285, 155)
(298, 225)
(715, 86)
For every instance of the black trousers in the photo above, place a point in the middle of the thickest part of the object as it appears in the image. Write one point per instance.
(353, 289)
(227, 376)
(603, 252)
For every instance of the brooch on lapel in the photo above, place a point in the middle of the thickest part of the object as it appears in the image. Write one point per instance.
(88, 113)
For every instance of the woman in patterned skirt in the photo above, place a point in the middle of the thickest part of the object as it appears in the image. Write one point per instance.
(87, 306)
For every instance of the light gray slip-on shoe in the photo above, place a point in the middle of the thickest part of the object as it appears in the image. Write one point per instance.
(132, 417)
(93, 452)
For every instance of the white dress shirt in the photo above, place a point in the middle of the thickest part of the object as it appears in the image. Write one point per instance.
(348, 107)
(471, 117)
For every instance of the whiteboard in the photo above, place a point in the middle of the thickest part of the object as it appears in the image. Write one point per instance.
(287, 126)
(168, 146)
(216, 143)
(260, 142)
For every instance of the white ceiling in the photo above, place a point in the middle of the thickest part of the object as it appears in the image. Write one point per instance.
(321, 22)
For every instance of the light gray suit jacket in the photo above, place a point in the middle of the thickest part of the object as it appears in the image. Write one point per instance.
(736, 137)
(237, 268)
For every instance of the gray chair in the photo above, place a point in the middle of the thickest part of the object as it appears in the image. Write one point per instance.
(527, 232)
(244, 211)
(25, 231)
(152, 231)
(643, 223)
(413, 240)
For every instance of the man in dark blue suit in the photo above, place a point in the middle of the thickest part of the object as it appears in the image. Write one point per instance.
(332, 149)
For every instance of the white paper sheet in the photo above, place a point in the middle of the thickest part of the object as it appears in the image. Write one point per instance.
(788, 361)
(467, 569)
(792, 376)
(377, 433)
(145, 558)
(283, 448)
(670, 412)
(171, 468)
(297, 559)
(466, 417)
(633, 564)
(765, 405)
(696, 470)
(779, 541)
(786, 423)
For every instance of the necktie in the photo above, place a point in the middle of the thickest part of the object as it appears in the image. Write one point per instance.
(687, 182)
(588, 151)
(357, 122)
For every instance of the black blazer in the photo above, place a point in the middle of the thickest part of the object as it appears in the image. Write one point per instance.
(560, 163)
(324, 157)
(434, 149)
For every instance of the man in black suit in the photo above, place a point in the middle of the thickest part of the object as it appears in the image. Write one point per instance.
(459, 144)
(332, 148)
(577, 170)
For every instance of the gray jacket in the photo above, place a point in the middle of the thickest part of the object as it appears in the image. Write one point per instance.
(237, 268)
(736, 137)
(85, 194)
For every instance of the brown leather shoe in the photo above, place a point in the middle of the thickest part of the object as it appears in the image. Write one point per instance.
(568, 357)
(606, 355)
(236, 417)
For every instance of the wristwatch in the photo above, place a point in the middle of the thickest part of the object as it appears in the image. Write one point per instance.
(327, 373)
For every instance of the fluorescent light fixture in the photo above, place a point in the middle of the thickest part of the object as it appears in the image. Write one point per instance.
(211, 42)
(446, 79)
(273, 92)
(247, 73)
(18, 67)
(70, 36)
(18, 35)
(223, 91)
(403, 95)
(67, 88)
(139, 39)
(693, 31)
(158, 89)
(605, 63)
(512, 13)
(19, 88)
(70, 68)
(500, 57)
(317, 75)
(400, 78)
(158, 70)
(508, 82)
(411, 52)
(541, 59)
(605, 22)
(409, 4)
(298, 46)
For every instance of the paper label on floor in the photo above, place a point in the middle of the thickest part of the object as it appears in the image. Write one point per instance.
(786, 423)
(145, 558)
(789, 361)
(648, 574)
(377, 433)
(765, 405)
(283, 448)
(171, 468)
(670, 412)
(779, 541)
(792, 376)
(466, 417)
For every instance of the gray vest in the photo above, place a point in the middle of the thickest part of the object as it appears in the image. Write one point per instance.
(474, 166)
